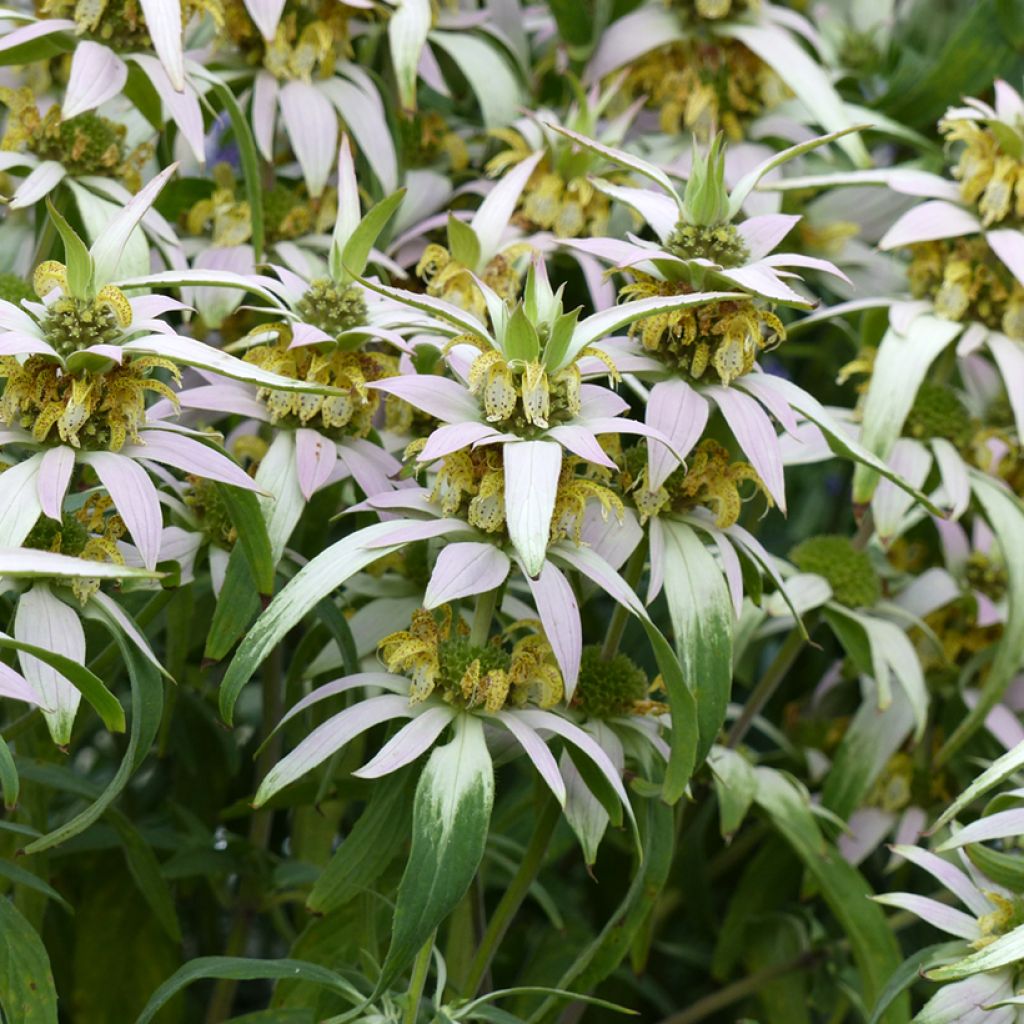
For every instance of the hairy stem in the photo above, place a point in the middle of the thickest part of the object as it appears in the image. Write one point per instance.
(420, 969)
(483, 614)
(620, 617)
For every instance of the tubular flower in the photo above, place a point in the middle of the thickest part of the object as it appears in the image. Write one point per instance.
(442, 660)
(723, 337)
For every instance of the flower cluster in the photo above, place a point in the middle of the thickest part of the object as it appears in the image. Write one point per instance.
(461, 442)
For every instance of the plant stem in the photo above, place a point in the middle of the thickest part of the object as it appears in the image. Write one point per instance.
(483, 614)
(251, 887)
(738, 990)
(420, 969)
(767, 685)
(514, 895)
(617, 626)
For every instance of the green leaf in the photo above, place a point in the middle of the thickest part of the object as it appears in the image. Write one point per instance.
(488, 73)
(1005, 515)
(998, 771)
(247, 518)
(844, 889)
(910, 972)
(27, 993)
(248, 156)
(604, 954)
(521, 340)
(146, 711)
(105, 704)
(463, 243)
(20, 876)
(407, 34)
(145, 869)
(451, 816)
(239, 969)
(701, 612)
(238, 603)
(735, 787)
(9, 784)
(76, 256)
(1006, 869)
(368, 850)
(356, 253)
(1003, 951)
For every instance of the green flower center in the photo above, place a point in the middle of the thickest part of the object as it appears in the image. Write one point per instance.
(204, 498)
(721, 243)
(68, 536)
(71, 325)
(608, 688)
(849, 571)
(331, 308)
(938, 412)
(984, 575)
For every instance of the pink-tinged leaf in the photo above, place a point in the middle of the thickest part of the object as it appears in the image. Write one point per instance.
(681, 414)
(97, 75)
(414, 500)
(776, 405)
(135, 498)
(382, 680)
(1001, 722)
(17, 687)
(1001, 825)
(316, 457)
(546, 721)
(372, 468)
(1008, 245)
(613, 539)
(190, 456)
(312, 126)
(226, 399)
(912, 461)
(452, 437)
(361, 107)
(660, 211)
(164, 25)
(437, 396)
(614, 250)
(949, 920)
(931, 590)
(761, 279)
(795, 259)
(632, 36)
(264, 112)
(408, 743)
(39, 184)
(181, 103)
(598, 402)
(14, 318)
(19, 343)
(756, 435)
(582, 442)
(953, 472)
(531, 481)
(930, 221)
(762, 234)
(53, 479)
(332, 735)
(116, 619)
(946, 874)
(43, 620)
(266, 14)
(536, 750)
(463, 569)
(868, 826)
(20, 507)
(427, 529)
(560, 616)
(349, 203)
(35, 30)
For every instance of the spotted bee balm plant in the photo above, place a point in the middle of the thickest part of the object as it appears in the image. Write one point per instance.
(507, 512)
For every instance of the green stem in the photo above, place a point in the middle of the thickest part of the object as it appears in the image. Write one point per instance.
(514, 895)
(767, 684)
(252, 886)
(738, 990)
(483, 615)
(420, 969)
(617, 626)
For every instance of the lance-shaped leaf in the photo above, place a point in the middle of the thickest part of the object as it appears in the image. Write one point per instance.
(407, 35)
(451, 816)
(77, 258)
(701, 612)
(901, 363)
(27, 992)
(356, 252)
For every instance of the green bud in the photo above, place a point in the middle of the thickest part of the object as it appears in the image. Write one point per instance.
(706, 199)
(848, 570)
